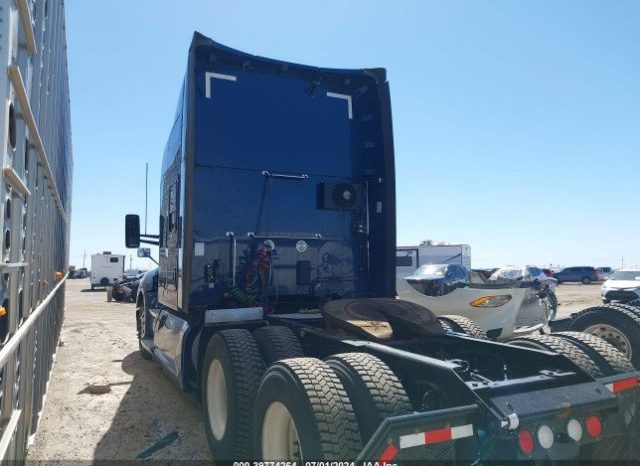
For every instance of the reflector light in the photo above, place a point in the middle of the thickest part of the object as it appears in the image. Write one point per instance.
(525, 441)
(594, 426)
(622, 385)
(574, 429)
(545, 437)
(388, 454)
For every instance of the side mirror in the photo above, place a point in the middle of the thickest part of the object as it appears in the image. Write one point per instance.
(144, 252)
(132, 230)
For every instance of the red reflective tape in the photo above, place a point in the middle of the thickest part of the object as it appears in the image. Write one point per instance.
(626, 384)
(388, 454)
(437, 436)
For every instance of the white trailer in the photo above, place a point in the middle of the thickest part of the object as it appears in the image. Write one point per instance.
(106, 269)
(409, 258)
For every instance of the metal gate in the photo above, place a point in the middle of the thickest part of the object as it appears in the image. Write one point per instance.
(35, 202)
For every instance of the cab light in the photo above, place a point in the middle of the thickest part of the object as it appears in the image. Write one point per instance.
(545, 437)
(3, 312)
(491, 301)
(594, 426)
(574, 430)
(525, 441)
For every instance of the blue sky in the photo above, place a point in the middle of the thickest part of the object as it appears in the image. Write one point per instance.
(516, 123)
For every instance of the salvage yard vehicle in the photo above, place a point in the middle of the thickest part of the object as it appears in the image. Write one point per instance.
(501, 310)
(276, 291)
(584, 275)
(438, 279)
(623, 286)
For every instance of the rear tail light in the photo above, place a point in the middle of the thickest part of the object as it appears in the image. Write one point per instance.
(594, 426)
(574, 429)
(546, 437)
(525, 441)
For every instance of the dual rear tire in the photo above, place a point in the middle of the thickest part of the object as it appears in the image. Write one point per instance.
(299, 408)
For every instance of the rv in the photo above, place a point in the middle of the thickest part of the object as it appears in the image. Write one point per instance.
(106, 269)
(409, 258)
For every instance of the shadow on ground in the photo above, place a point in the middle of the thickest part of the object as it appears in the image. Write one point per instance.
(155, 421)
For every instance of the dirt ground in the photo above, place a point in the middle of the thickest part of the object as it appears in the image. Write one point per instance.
(574, 297)
(142, 408)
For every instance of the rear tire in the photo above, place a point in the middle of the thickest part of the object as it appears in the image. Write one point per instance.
(373, 389)
(559, 346)
(586, 281)
(302, 408)
(606, 356)
(232, 369)
(277, 343)
(616, 324)
(464, 325)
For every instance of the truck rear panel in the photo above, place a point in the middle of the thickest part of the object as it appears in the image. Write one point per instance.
(288, 157)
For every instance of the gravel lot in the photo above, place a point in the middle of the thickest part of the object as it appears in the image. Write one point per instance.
(141, 407)
(574, 297)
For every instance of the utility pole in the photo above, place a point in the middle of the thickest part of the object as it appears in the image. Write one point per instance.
(146, 195)
(84, 259)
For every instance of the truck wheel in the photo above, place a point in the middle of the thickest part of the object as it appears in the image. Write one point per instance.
(277, 342)
(141, 327)
(559, 346)
(463, 325)
(232, 369)
(374, 390)
(617, 325)
(104, 281)
(606, 356)
(303, 413)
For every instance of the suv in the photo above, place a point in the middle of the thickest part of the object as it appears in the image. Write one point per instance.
(604, 273)
(585, 275)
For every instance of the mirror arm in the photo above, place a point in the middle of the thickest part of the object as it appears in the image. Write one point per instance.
(153, 243)
(144, 235)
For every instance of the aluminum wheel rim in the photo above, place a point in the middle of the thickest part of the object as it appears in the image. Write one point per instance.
(613, 336)
(217, 399)
(280, 439)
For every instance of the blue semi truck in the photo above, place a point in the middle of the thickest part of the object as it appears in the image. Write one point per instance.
(276, 292)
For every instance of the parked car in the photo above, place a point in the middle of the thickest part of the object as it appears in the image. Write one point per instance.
(527, 273)
(586, 275)
(622, 286)
(604, 273)
(438, 279)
